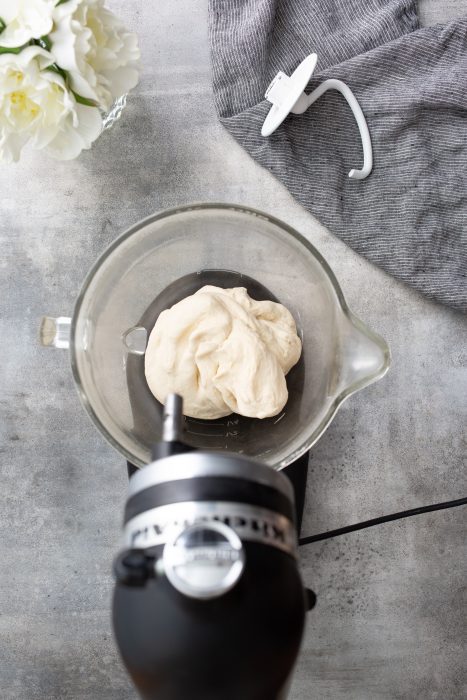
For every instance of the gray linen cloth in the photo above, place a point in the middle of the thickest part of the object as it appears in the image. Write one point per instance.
(410, 215)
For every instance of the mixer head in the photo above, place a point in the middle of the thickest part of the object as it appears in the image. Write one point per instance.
(208, 600)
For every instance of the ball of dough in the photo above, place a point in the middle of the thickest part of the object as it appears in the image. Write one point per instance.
(224, 353)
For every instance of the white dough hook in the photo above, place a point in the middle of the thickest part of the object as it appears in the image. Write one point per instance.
(287, 95)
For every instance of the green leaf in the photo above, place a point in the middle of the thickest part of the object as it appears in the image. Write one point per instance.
(79, 98)
(2, 25)
(8, 49)
(60, 2)
(84, 100)
(56, 69)
(44, 42)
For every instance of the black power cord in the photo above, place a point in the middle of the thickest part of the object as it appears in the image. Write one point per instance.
(382, 519)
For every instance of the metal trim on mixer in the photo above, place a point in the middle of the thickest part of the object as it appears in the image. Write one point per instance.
(156, 526)
(205, 464)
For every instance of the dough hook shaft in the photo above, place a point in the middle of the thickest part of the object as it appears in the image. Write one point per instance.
(172, 419)
(305, 101)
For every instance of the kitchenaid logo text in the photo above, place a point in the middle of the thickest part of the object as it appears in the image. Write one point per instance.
(238, 524)
(154, 527)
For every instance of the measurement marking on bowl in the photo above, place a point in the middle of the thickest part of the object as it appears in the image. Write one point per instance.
(215, 269)
(299, 326)
(266, 452)
(278, 419)
(192, 432)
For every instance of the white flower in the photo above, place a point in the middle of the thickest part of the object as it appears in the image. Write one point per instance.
(24, 20)
(96, 50)
(36, 107)
(52, 94)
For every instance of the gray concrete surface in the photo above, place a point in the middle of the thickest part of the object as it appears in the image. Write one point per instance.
(390, 622)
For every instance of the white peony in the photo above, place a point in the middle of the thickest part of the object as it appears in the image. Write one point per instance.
(36, 107)
(23, 20)
(62, 63)
(93, 46)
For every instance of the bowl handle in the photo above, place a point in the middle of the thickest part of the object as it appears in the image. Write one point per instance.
(55, 332)
(365, 356)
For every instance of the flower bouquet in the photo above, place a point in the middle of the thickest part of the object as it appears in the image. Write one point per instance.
(63, 63)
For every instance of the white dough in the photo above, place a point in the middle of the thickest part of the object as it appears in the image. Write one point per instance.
(223, 352)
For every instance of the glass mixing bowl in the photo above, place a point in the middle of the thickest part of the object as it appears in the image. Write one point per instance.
(164, 258)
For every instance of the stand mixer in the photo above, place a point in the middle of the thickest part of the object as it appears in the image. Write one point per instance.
(208, 601)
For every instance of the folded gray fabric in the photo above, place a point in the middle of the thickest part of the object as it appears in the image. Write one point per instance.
(410, 215)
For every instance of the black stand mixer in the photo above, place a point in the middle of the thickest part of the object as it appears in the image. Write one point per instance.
(208, 601)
